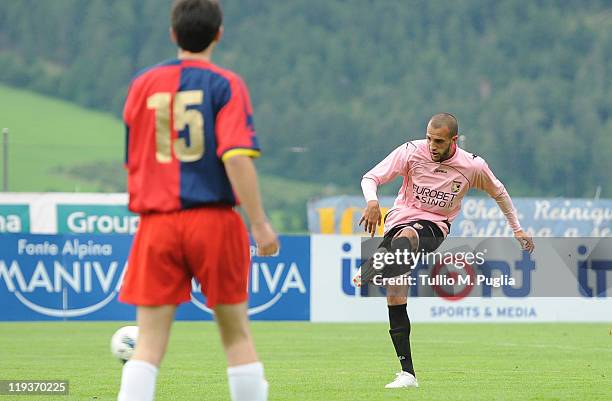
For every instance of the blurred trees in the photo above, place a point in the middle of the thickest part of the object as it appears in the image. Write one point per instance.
(337, 84)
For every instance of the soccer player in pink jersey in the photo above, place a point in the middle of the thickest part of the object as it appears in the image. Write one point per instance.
(437, 174)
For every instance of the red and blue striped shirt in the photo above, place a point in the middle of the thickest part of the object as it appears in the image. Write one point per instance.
(183, 119)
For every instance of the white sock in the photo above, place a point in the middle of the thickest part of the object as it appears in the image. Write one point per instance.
(137, 381)
(247, 382)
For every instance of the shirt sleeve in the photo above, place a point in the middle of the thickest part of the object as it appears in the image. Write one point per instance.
(234, 128)
(369, 188)
(390, 167)
(485, 180)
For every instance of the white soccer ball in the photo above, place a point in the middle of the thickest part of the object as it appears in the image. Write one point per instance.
(124, 342)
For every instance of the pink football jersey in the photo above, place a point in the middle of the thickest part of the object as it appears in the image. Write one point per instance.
(433, 190)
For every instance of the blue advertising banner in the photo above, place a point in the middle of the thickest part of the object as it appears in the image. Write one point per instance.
(51, 277)
(77, 277)
(279, 286)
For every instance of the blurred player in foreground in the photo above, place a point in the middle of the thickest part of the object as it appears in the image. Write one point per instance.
(437, 175)
(190, 140)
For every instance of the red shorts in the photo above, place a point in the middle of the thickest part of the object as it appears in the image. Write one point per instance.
(208, 243)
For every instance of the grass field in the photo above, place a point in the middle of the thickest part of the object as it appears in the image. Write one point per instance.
(330, 362)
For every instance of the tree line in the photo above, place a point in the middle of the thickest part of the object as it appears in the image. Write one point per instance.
(337, 84)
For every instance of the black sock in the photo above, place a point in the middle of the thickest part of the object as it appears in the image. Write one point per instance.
(400, 335)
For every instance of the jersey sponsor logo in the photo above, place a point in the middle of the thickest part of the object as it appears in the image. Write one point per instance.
(61, 277)
(440, 171)
(433, 197)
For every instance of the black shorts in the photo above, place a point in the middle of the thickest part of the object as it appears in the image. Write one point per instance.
(430, 235)
(430, 238)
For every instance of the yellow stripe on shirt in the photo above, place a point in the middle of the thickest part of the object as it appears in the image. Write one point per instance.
(254, 153)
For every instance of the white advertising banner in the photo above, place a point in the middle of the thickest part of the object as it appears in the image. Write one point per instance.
(336, 258)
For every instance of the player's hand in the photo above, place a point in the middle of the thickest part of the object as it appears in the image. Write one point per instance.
(265, 239)
(525, 240)
(372, 217)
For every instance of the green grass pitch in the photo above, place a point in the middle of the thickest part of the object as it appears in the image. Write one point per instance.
(330, 362)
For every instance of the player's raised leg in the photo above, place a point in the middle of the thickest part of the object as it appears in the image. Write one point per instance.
(140, 372)
(368, 270)
(245, 373)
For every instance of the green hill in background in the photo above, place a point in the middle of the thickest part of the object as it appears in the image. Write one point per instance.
(57, 146)
(50, 138)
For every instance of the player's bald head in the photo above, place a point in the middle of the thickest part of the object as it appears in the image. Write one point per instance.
(447, 120)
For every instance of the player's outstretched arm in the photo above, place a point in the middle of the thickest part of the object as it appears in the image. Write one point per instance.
(507, 207)
(486, 181)
(243, 177)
